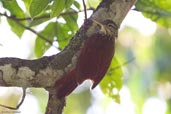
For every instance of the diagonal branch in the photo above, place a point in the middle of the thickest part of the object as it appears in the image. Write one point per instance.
(27, 28)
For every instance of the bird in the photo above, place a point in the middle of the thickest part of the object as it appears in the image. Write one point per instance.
(93, 60)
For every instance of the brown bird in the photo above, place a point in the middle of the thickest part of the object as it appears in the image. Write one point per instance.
(94, 58)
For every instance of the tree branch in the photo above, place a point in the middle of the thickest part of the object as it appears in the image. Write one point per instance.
(21, 102)
(44, 72)
(85, 11)
(44, 16)
(27, 28)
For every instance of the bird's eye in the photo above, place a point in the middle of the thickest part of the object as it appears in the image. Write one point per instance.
(112, 26)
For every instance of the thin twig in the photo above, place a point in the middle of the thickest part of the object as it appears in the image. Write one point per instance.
(46, 16)
(85, 11)
(27, 28)
(125, 63)
(29, 18)
(21, 102)
(35, 32)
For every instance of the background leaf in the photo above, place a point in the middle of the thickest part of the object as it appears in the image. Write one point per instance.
(39, 20)
(76, 4)
(93, 3)
(112, 82)
(27, 4)
(41, 45)
(71, 20)
(57, 7)
(157, 10)
(63, 34)
(68, 3)
(16, 12)
(37, 6)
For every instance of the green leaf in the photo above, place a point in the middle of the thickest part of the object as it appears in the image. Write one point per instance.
(16, 12)
(27, 4)
(68, 3)
(157, 10)
(41, 45)
(16, 28)
(63, 34)
(112, 82)
(93, 3)
(39, 20)
(71, 20)
(76, 4)
(37, 6)
(13, 7)
(57, 7)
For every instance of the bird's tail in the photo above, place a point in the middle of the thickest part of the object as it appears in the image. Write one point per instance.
(66, 84)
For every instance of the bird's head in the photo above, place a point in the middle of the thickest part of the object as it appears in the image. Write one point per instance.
(108, 27)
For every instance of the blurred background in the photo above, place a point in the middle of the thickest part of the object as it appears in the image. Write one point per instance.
(143, 53)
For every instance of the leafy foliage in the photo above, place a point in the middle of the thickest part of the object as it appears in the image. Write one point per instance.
(93, 3)
(63, 31)
(157, 10)
(15, 11)
(163, 55)
(41, 11)
(37, 6)
(112, 82)
(68, 3)
(42, 45)
(57, 7)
